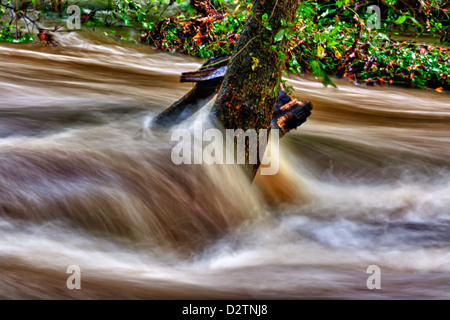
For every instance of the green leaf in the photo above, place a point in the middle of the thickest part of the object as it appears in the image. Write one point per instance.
(281, 56)
(317, 71)
(415, 21)
(324, 14)
(126, 20)
(317, 37)
(279, 36)
(400, 20)
(264, 17)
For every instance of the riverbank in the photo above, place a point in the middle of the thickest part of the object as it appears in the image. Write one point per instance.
(327, 41)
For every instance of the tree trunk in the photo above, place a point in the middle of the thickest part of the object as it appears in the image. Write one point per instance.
(249, 90)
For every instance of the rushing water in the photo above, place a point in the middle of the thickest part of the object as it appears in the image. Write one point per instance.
(83, 181)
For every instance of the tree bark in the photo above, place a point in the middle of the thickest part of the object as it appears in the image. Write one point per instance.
(249, 90)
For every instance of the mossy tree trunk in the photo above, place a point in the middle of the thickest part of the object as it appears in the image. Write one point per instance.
(249, 90)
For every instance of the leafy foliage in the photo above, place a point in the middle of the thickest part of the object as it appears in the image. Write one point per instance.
(327, 39)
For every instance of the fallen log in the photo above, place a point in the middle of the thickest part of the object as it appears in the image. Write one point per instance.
(289, 113)
(208, 80)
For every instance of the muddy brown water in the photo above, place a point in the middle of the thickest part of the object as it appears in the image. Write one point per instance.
(83, 181)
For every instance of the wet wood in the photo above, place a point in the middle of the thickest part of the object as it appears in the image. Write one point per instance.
(289, 113)
(203, 75)
(186, 106)
(208, 80)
